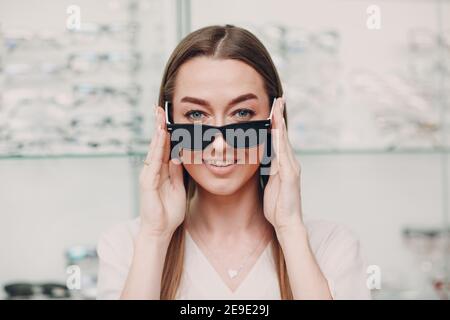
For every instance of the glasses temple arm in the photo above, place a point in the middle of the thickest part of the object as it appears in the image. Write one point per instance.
(166, 109)
(271, 109)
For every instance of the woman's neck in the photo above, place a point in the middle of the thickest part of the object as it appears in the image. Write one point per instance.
(230, 214)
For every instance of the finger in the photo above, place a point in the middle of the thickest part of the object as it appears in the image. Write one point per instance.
(156, 159)
(274, 167)
(293, 158)
(151, 146)
(166, 156)
(176, 173)
(154, 137)
(156, 167)
(285, 144)
(162, 123)
(148, 178)
(164, 171)
(270, 206)
(284, 163)
(275, 132)
(289, 150)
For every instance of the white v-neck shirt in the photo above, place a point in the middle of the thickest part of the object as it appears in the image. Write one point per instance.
(336, 249)
(201, 280)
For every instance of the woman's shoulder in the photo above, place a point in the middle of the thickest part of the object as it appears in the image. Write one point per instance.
(338, 252)
(324, 228)
(328, 236)
(122, 229)
(118, 239)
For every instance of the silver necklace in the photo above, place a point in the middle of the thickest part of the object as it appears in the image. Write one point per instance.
(234, 272)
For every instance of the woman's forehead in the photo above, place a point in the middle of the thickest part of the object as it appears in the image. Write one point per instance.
(219, 80)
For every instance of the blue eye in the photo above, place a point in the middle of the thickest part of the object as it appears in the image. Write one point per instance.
(194, 114)
(244, 113)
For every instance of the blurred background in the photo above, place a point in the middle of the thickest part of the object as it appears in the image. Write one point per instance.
(367, 87)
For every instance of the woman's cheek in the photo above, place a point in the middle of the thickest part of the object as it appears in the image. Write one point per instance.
(191, 157)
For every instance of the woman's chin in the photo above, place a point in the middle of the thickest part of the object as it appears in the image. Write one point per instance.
(223, 187)
(221, 183)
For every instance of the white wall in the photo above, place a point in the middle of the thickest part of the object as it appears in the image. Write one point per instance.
(49, 205)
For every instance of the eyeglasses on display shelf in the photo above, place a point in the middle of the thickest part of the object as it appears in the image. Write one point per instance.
(428, 53)
(24, 41)
(85, 260)
(89, 94)
(331, 105)
(292, 46)
(36, 291)
(96, 62)
(75, 64)
(64, 121)
(94, 33)
(19, 73)
(431, 251)
(308, 64)
(309, 127)
(335, 106)
(424, 41)
(62, 97)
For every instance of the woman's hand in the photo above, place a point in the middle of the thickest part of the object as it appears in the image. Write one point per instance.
(282, 207)
(282, 200)
(162, 192)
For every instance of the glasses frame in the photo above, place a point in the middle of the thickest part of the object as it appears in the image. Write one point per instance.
(267, 123)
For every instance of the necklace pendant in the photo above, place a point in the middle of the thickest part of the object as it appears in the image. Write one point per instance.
(232, 273)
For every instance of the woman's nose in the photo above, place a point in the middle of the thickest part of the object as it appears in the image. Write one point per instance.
(219, 148)
(219, 142)
(218, 121)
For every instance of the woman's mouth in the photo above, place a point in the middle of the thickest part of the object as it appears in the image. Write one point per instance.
(220, 167)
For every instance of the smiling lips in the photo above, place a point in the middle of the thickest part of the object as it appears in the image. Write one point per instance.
(220, 167)
(219, 163)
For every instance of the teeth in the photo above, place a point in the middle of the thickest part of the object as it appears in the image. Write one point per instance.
(219, 163)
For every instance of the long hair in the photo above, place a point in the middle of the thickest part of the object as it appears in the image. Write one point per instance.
(220, 42)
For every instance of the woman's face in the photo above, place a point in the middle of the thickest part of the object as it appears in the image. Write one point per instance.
(218, 92)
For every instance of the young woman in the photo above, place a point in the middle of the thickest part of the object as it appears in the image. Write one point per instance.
(214, 228)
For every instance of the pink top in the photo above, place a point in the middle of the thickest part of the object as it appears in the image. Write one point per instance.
(336, 249)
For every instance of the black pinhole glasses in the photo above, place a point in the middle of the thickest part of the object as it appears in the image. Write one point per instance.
(197, 136)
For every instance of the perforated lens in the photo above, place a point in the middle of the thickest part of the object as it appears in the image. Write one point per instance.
(237, 135)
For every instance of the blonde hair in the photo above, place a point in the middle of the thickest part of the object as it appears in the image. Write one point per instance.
(223, 42)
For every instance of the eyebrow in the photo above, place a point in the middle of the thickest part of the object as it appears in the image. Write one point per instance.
(205, 103)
